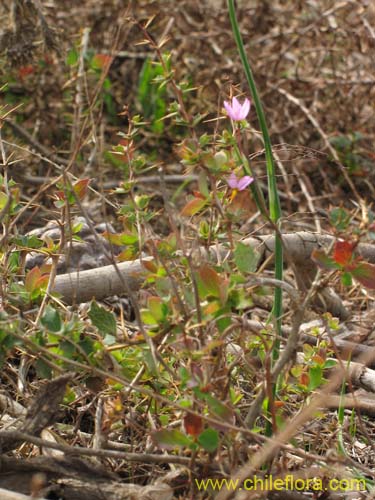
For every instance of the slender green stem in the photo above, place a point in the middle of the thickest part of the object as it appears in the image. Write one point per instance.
(274, 201)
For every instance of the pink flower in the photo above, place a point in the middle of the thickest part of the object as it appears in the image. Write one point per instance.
(239, 183)
(237, 111)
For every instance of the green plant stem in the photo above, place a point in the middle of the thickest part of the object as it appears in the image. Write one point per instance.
(274, 201)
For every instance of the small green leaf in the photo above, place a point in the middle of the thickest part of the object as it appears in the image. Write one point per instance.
(316, 377)
(245, 258)
(203, 184)
(339, 218)
(120, 239)
(42, 369)
(346, 279)
(158, 309)
(109, 340)
(221, 159)
(170, 439)
(365, 274)
(104, 320)
(3, 200)
(219, 409)
(72, 57)
(51, 319)
(330, 363)
(209, 440)
(148, 318)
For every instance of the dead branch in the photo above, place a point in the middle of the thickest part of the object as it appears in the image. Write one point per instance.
(105, 281)
(11, 495)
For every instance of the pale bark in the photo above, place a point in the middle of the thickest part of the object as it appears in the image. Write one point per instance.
(110, 280)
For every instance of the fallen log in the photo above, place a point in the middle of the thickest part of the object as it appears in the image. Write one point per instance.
(112, 280)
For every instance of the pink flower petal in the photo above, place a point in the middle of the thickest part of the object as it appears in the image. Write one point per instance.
(245, 108)
(245, 181)
(237, 111)
(228, 108)
(236, 106)
(232, 181)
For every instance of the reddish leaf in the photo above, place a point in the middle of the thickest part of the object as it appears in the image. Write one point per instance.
(45, 268)
(198, 194)
(210, 280)
(42, 282)
(193, 424)
(80, 188)
(279, 404)
(60, 195)
(36, 280)
(365, 274)
(25, 71)
(100, 61)
(31, 279)
(193, 206)
(343, 252)
(304, 379)
(124, 150)
(150, 265)
(130, 253)
(322, 260)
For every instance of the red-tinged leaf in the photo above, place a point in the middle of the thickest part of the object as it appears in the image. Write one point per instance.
(48, 59)
(193, 424)
(211, 281)
(224, 288)
(45, 268)
(130, 253)
(343, 252)
(60, 195)
(322, 260)
(25, 71)
(125, 149)
(170, 439)
(100, 61)
(318, 359)
(212, 308)
(113, 238)
(304, 379)
(80, 188)
(198, 194)
(157, 308)
(150, 266)
(193, 207)
(31, 279)
(279, 404)
(120, 239)
(41, 282)
(365, 274)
